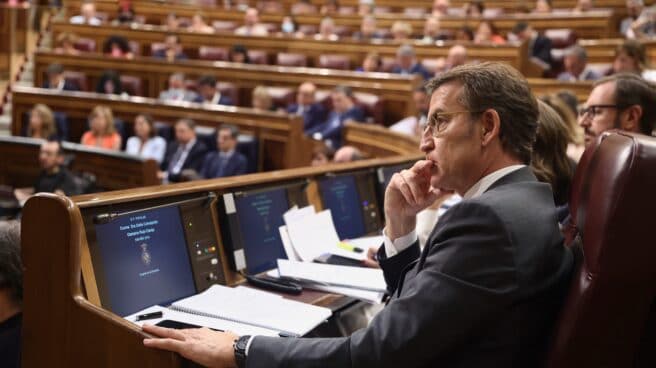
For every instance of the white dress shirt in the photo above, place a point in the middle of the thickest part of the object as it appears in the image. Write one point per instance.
(396, 246)
(154, 148)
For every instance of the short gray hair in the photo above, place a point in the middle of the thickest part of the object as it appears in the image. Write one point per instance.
(577, 51)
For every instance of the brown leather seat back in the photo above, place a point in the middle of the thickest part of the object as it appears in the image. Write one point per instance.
(604, 319)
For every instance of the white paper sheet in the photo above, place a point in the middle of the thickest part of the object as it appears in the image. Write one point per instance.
(332, 275)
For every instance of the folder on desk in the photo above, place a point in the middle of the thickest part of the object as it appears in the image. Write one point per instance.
(362, 278)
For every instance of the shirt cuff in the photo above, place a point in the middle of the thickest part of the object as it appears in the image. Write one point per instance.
(398, 245)
(248, 345)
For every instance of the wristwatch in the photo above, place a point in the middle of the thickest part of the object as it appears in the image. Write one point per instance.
(240, 350)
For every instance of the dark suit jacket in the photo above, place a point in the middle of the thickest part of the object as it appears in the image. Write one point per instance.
(332, 127)
(236, 165)
(312, 117)
(415, 69)
(68, 86)
(194, 159)
(161, 54)
(484, 292)
(223, 100)
(542, 49)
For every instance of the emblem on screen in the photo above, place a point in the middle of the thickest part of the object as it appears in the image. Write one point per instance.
(145, 255)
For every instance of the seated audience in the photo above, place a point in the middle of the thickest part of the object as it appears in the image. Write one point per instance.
(117, 47)
(441, 8)
(366, 7)
(631, 57)
(488, 33)
(145, 142)
(401, 30)
(330, 7)
(209, 93)
(87, 15)
(540, 45)
(645, 26)
(177, 90)
(575, 61)
(126, 14)
(252, 25)
(110, 83)
(306, 105)
(457, 56)
(288, 26)
(199, 25)
(432, 31)
(344, 110)
(226, 161)
(348, 154)
(303, 7)
(542, 7)
(327, 30)
(575, 146)
(634, 10)
(42, 123)
(549, 160)
(368, 29)
(621, 101)
(414, 125)
(261, 99)
(172, 50)
(371, 63)
(172, 23)
(583, 6)
(54, 177)
(56, 80)
(407, 63)
(322, 155)
(239, 54)
(66, 44)
(11, 294)
(474, 8)
(102, 132)
(464, 33)
(186, 152)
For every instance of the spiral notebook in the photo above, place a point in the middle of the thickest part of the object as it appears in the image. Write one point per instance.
(257, 309)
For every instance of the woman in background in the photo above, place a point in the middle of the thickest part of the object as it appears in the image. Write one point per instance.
(42, 123)
(145, 142)
(102, 133)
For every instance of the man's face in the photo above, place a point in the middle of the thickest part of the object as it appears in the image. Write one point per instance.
(368, 26)
(633, 8)
(48, 156)
(305, 95)
(604, 118)
(175, 82)
(207, 91)
(251, 17)
(432, 27)
(573, 64)
(456, 151)
(54, 79)
(341, 102)
(224, 140)
(171, 42)
(88, 10)
(184, 134)
(625, 63)
(405, 61)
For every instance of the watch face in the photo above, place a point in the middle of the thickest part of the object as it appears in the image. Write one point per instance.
(242, 342)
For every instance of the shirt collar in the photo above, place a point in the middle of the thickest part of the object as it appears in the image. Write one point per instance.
(482, 185)
(226, 154)
(187, 147)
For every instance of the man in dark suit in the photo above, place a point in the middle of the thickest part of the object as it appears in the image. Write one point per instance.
(486, 288)
(539, 45)
(56, 79)
(172, 50)
(344, 109)
(209, 93)
(226, 161)
(186, 152)
(407, 63)
(306, 105)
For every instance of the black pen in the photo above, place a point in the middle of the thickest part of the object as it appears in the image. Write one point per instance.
(153, 315)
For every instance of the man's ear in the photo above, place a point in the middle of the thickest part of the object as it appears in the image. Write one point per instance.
(490, 126)
(630, 119)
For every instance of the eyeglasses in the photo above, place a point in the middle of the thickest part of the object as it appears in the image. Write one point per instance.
(595, 110)
(438, 122)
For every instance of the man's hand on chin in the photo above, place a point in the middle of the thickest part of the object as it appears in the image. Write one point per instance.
(201, 345)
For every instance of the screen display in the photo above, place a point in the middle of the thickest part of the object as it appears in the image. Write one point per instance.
(144, 260)
(340, 195)
(388, 171)
(260, 216)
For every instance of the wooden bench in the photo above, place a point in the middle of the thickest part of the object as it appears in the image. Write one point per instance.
(594, 24)
(514, 54)
(280, 136)
(19, 166)
(394, 90)
(603, 51)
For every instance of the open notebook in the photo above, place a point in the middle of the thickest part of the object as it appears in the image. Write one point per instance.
(254, 308)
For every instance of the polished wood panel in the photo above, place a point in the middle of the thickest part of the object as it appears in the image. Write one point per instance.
(14, 23)
(603, 51)
(280, 135)
(19, 166)
(541, 86)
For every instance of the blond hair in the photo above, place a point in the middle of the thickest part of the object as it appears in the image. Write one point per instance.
(48, 127)
(106, 113)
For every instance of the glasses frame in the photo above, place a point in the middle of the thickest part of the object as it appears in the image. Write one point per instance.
(438, 127)
(591, 111)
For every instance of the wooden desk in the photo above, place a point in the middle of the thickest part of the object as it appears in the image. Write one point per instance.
(593, 24)
(282, 144)
(603, 51)
(113, 170)
(395, 90)
(541, 86)
(14, 24)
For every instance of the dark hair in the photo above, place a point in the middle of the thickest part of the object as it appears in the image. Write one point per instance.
(570, 99)
(467, 31)
(635, 50)
(151, 123)
(54, 69)
(234, 131)
(206, 80)
(11, 268)
(494, 85)
(519, 27)
(240, 49)
(346, 90)
(631, 89)
(476, 4)
(120, 41)
(110, 75)
(188, 122)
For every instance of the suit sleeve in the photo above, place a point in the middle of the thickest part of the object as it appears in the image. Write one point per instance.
(242, 165)
(464, 284)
